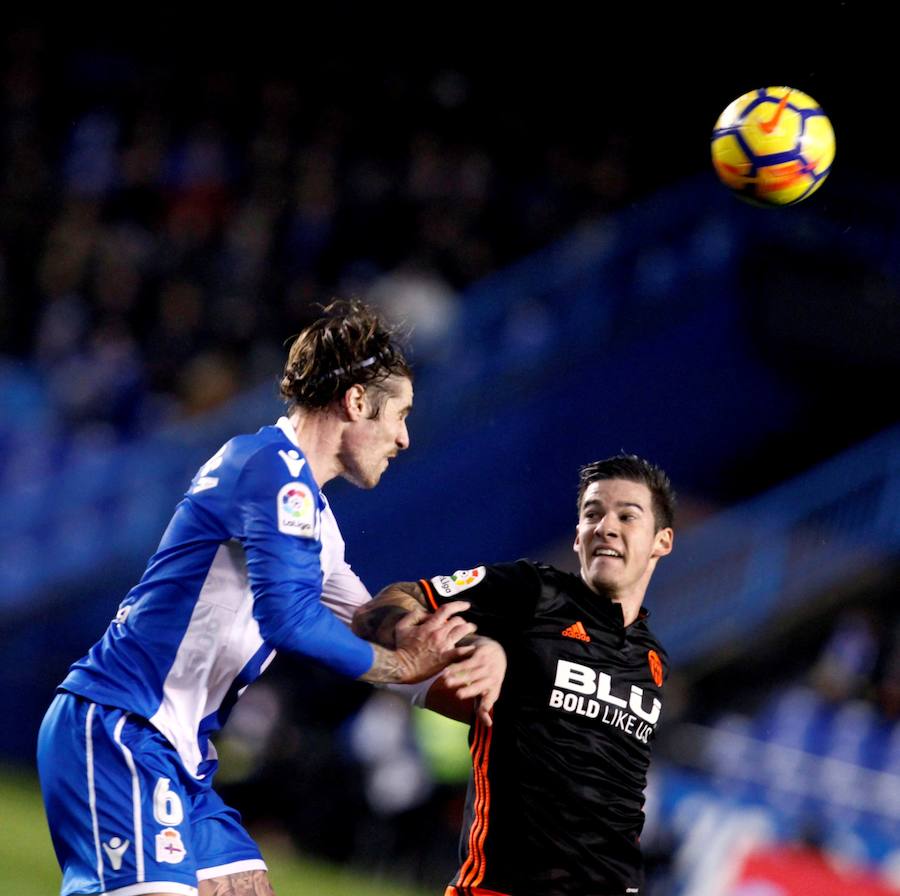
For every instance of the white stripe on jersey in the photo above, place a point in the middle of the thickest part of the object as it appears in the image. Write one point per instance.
(221, 638)
(135, 799)
(342, 589)
(92, 794)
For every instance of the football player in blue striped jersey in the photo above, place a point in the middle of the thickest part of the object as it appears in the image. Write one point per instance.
(252, 562)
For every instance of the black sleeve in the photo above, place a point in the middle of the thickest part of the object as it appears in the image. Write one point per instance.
(502, 596)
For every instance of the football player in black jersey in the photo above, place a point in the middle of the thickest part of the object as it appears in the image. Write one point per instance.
(555, 802)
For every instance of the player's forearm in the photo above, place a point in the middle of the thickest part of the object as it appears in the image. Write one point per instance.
(471, 686)
(442, 699)
(376, 620)
(387, 667)
(426, 643)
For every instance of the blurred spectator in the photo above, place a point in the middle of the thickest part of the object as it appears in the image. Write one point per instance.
(207, 381)
(396, 778)
(423, 303)
(845, 666)
(888, 686)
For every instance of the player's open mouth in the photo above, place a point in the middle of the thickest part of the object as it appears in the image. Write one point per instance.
(607, 552)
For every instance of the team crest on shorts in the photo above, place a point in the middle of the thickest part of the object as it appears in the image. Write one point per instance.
(458, 581)
(296, 510)
(169, 847)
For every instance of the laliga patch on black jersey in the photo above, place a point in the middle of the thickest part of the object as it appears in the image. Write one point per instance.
(458, 581)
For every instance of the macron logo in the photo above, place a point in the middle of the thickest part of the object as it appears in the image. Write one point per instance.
(293, 461)
(114, 850)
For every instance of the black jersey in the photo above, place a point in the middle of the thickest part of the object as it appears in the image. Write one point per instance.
(555, 800)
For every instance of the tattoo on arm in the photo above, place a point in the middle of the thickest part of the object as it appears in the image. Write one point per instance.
(385, 668)
(377, 624)
(242, 883)
(376, 619)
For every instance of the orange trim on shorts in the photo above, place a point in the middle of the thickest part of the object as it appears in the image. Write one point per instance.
(429, 594)
(472, 872)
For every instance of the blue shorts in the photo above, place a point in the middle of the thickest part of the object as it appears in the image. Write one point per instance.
(125, 816)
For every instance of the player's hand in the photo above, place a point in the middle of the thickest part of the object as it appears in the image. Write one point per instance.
(479, 676)
(427, 642)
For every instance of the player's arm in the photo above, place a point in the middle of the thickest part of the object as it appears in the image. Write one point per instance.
(471, 686)
(291, 617)
(424, 644)
(280, 535)
(343, 593)
(468, 686)
(376, 620)
(503, 598)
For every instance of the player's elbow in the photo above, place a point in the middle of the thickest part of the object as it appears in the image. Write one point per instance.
(376, 621)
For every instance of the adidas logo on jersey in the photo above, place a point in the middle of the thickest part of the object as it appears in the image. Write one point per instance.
(577, 631)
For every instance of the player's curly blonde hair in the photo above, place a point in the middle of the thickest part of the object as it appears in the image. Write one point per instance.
(346, 346)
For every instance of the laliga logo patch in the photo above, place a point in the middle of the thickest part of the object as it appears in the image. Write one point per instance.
(459, 581)
(656, 667)
(169, 847)
(296, 510)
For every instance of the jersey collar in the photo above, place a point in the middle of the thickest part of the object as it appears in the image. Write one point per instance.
(607, 607)
(285, 426)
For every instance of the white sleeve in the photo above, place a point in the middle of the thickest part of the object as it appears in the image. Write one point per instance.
(415, 694)
(342, 589)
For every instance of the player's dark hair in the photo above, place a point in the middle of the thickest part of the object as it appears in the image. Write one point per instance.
(633, 469)
(348, 345)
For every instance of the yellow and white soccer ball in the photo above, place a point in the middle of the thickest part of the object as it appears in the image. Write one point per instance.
(773, 146)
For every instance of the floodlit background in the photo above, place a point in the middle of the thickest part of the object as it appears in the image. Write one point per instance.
(539, 210)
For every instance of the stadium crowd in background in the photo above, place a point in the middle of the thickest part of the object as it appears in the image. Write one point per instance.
(165, 220)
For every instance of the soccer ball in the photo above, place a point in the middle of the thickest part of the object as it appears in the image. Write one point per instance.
(773, 146)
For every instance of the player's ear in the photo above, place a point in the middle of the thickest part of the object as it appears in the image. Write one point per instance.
(577, 544)
(354, 402)
(663, 542)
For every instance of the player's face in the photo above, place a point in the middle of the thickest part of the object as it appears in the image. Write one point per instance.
(616, 539)
(373, 441)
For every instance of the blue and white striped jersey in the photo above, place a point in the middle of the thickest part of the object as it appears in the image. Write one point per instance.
(251, 562)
